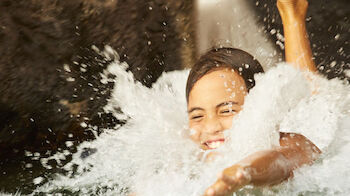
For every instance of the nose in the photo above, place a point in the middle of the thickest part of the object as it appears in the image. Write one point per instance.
(213, 125)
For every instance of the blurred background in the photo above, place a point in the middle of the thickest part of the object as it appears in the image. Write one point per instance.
(52, 54)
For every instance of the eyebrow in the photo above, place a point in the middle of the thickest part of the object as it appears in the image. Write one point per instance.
(219, 105)
(226, 103)
(195, 108)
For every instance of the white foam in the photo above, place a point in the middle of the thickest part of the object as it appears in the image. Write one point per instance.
(153, 155)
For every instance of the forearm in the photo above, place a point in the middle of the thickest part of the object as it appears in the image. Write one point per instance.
(267, 167)
(273, 166)
(297, 46)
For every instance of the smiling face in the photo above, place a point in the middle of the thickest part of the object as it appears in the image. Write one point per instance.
(212, 103)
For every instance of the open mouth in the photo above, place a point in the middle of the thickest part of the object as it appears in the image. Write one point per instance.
(213, 144)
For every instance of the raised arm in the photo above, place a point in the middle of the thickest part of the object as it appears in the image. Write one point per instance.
(266, 167)
(297, 45)
(273, 166)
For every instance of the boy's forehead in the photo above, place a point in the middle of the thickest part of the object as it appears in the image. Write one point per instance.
(217, 76)
(216, 86)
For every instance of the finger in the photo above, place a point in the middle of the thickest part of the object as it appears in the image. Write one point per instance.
(219, 188)
(236, 181)
(231, 180)
(209, 192)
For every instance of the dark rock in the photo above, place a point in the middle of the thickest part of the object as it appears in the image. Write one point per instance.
(41, 103)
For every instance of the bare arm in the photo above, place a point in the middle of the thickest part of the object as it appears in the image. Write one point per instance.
(297, 45)
(273, 166)
(266, 167)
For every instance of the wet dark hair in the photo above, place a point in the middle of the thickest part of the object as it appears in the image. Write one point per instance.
(218, 58)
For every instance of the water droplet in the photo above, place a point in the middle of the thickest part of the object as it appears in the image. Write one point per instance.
(38, 180)
(347, 72)
(273, 31)
(69, 144)
(28, 165)
(83, 124)
(192, 131)
(66, 68)
(70, 79)
(333, 63)
(336, 37)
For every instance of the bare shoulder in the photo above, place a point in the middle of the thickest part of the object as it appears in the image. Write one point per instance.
(297, 141)
(298, 148)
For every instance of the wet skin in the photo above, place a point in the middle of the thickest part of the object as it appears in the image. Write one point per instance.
(211, 108)
(213, 101)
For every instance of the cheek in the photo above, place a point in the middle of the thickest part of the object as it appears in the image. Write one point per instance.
(195, 132)
(226, 122)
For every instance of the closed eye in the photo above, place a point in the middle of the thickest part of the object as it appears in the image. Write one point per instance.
(227, 111)
(196, 117)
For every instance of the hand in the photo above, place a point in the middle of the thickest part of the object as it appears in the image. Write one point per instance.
(230, 180)
(297, 8)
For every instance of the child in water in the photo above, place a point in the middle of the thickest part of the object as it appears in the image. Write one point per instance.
(211, 107)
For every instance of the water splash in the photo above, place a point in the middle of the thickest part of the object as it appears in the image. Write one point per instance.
(153, 155)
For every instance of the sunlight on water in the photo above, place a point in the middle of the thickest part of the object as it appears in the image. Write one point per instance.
(153, 155)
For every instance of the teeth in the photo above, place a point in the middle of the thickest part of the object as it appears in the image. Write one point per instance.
(215, 144)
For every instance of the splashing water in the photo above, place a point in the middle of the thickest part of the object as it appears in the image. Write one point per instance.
(153, 155)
